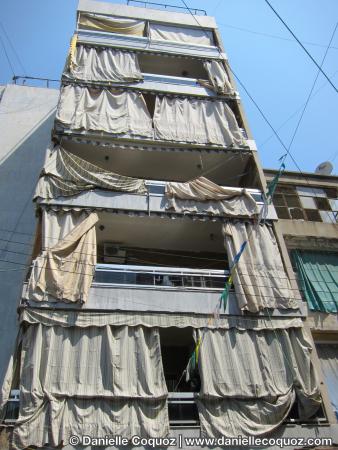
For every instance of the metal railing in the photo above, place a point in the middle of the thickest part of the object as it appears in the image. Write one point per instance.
(24, 78)
(160, 277)
(195, 11)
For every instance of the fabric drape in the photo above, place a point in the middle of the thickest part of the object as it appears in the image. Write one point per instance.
(120, 113)
(218, 78)
(180, 34)
(196, 121)
(162, 320)
(93, 381)
(65, 270)
(203, 196)
(318, 276)
(111, 24)
(328, 355)
(254, 398)
(65, 174)
(109, 65)
(259, 277)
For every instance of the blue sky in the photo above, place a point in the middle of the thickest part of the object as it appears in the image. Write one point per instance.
(274, 69)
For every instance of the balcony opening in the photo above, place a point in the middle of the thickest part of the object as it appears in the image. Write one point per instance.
(172, 66)
(177, 346)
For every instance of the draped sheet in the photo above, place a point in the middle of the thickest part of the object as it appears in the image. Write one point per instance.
(84, 319)
(254, 398)
(203, 196)
(196, 121)
(65, 174)
(65, 270)
(259, 278)
(111, 24)
(318, 276)
(93, 64)
(181, 34)
(121, 113)
(93, 381)
(218, 78)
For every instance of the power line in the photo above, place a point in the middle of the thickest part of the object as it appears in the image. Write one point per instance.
(7, 56)
(311, 90)
(12, 46)
(299, 42)
(295, 112)
(259, 33)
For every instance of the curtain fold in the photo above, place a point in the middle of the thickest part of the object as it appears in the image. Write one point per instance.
(218, 78)
(203, 196)
(318, 276)
(93, 381)
(86, 319)
(196, 121)
(185, 35)
(259, 277)
(255, 398)
(65, 174)
(110, 65)
(111, 24)
(64, 271)
(118, 112)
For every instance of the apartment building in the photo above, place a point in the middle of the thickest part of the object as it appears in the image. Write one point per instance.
(307, 207)
(161, 299)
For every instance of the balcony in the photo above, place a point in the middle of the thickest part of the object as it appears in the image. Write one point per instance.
(153, 82)
(153, 203)
(146, 45)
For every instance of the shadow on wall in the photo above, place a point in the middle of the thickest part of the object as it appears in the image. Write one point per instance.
(19, 173)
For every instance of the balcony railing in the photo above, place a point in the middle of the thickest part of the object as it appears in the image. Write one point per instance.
(160, 277)
(145, 44)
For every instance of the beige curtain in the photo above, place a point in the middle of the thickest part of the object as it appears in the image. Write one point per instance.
(120, 112)
(94, 64)
(64, 270)
(65, 174)
(181, 34)
(203, 196)
(111, 24)
(250, 380)
(93, 381)
(196, 121)
(259, 278)
(218, 78)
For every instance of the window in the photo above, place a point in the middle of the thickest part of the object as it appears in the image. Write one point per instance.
(306, 203)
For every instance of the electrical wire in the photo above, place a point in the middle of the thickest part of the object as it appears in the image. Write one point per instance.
(299, 42)
(261, 144)
(311, 90)
(259, 33)
(13, 48)
(7, 56)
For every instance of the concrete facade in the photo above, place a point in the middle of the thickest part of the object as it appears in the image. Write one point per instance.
(26, 118)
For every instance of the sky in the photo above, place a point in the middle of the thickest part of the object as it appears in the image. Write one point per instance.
(271, 65)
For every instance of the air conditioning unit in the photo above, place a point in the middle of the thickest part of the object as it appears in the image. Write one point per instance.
(113, 254)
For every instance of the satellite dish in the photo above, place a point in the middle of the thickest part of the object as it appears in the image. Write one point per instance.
(325, 168)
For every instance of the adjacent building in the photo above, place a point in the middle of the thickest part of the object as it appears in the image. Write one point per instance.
(307, 208)
(162, 299)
